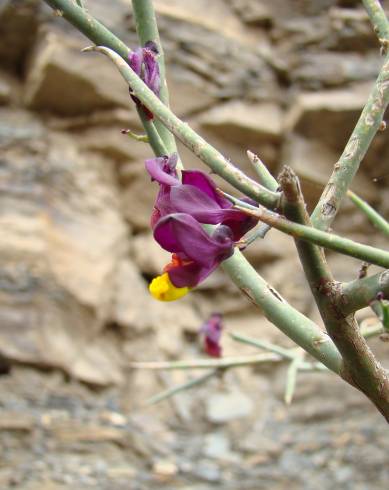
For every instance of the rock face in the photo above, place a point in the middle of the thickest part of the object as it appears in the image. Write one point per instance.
(60, 249)
(57, 70)
(285, 79)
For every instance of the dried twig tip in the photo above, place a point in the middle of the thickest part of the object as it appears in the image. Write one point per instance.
(252, 157)
(88, 49)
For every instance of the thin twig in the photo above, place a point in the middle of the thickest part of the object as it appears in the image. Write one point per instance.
(373, 216)
(369, 332)
(265, 177)
(141, 138)
(322, 238)
(311, 256)
(286, 354)
(263, 344)
(164, 395)
(223, 363)
(291, 378)
(155, 140)
(260, 231)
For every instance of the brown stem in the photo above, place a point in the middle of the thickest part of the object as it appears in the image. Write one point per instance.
(360, 367)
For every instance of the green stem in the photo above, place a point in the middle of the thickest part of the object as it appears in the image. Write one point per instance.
(291, 378)
(361, 292)
(356, 148)
(263, 344)
(373, 216)
(327, 240)
(294, 324)
(209, 155)
(370, 332)
(378, 18)
(225, 362)
(141, 138)
(182, 387)
(289, 354)
(258, 232)
(147, 30)
(154, 138)
(381, 309)
(311, 256)
(89, 26)
(290, 321)
(360, 367)
(265, 177)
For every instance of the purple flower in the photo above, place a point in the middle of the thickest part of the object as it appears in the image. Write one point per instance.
(212, 331)
(144, 63)
(163, 170)
(197, 196)
(195, 253)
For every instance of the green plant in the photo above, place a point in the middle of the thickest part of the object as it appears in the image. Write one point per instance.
(280, 204)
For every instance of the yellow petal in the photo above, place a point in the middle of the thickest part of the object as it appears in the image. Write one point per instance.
(161, 288)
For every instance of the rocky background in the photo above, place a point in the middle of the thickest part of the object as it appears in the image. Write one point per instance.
(286, 79)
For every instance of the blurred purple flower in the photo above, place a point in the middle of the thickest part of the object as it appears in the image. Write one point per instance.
(195, 253)
(197, 196)
(144, 63)
(212, 331)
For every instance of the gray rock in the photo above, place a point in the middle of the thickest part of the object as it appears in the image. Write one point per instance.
(350, 30)
(17, 17)
(65, 81)
(138, 195)
(223, 54)
(189, 93)
(315, 70)
(237, 121)
(132, 301)
(226, 407)
(136, 311)
(20, 128)
(9, 88)
(148, 255)
(313, 162)
(218, 446)
(208, 471)
(328, 116)
(109, 141)
(254, 13)
(59, 252)
(275, 246)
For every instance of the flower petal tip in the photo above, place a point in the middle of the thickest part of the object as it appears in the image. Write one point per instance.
(162, 289)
